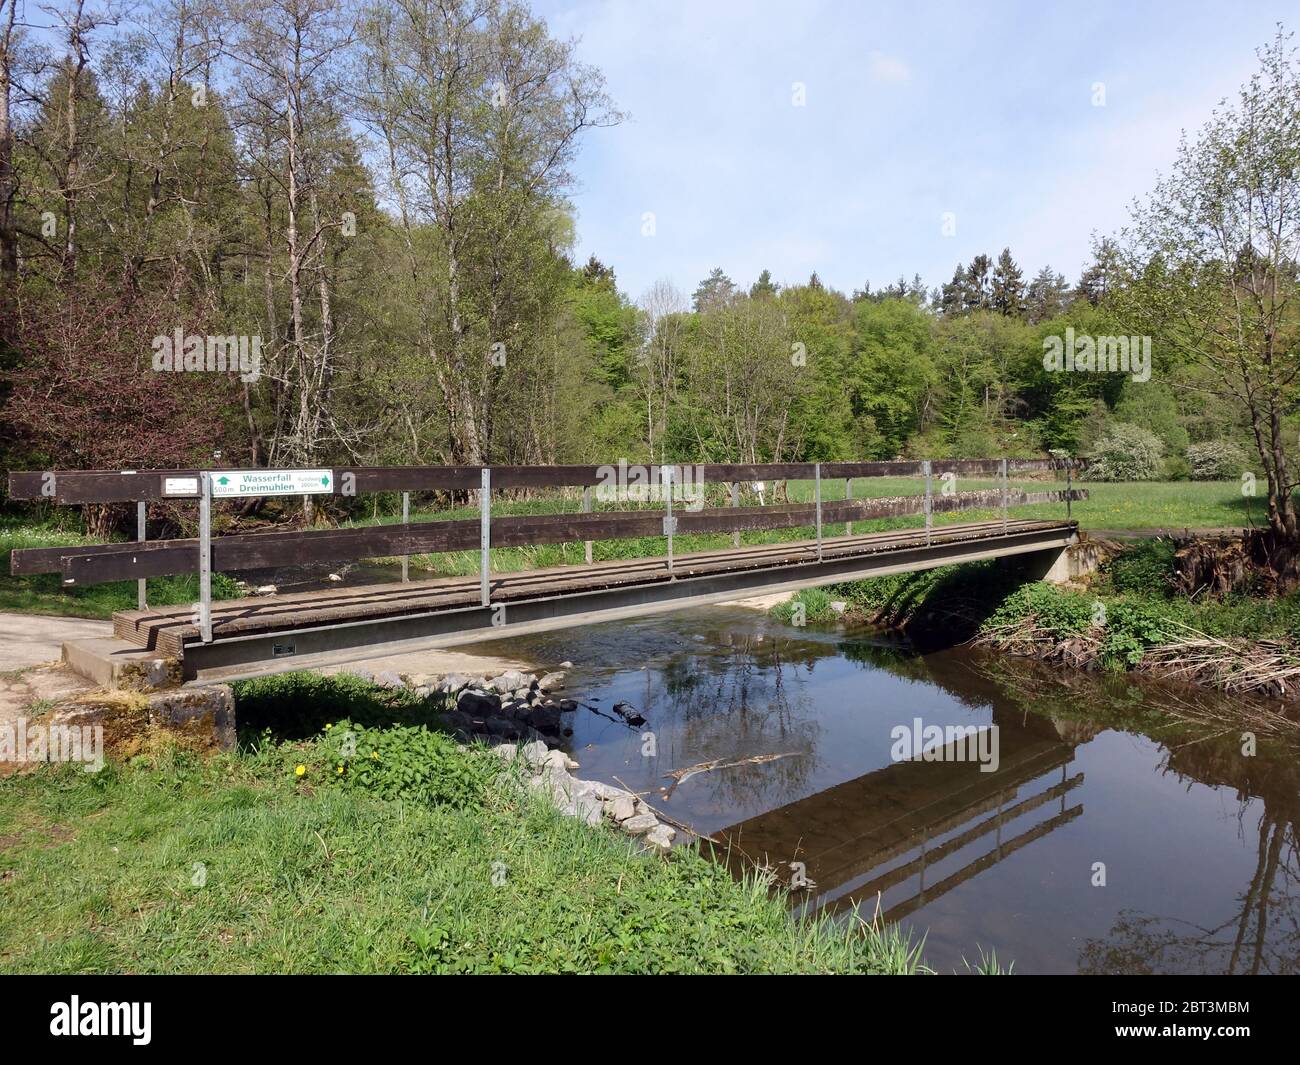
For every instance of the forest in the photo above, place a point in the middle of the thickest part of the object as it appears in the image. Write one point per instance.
(378, 198)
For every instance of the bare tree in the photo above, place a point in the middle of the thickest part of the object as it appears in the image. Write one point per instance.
(664, 308)
(289, 46)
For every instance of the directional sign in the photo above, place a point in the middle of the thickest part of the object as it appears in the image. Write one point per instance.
(226, 483)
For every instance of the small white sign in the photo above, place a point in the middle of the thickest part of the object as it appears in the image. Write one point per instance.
(226, 483)
(180, 486)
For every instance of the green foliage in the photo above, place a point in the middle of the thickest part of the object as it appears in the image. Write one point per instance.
(816, 603)
(1131, 627)
(45, 593)
(1059, 613)
(1146, 568)
(1212, 287)
(1152, 405)
(892, 369)
(401, 762)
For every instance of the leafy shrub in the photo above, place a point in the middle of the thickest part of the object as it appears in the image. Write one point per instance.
(1146, 568)
(1175, 468)
(1132, 627)
(402, 762)
(1216, 460)
(1058, 612)
(1126, 453)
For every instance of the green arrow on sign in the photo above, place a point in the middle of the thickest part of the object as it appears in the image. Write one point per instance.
(223, 480)
(324, 480)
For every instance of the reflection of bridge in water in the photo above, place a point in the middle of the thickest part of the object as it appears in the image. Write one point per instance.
(890, 828)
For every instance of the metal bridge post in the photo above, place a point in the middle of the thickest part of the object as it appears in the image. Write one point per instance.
(141, 534)
(406, 520)
(735, 502)
(1004, 496)
(205, 557)
(666, 478)
(1069, 488)
(929, 499)
(848, 494)
(817, 490)
(586, 509)
(485, 538)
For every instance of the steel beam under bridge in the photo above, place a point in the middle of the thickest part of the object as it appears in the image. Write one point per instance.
(261, 653)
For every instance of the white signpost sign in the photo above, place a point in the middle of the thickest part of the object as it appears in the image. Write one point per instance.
(180, 486)
(228, 483)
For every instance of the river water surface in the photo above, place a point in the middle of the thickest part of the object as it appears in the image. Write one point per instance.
(1106, 840)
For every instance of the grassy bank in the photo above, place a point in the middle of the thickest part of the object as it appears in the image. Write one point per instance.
(1111, 506)
(1127, 618)
(371, 845)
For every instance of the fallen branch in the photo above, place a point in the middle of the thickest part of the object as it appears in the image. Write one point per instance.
(680, 776)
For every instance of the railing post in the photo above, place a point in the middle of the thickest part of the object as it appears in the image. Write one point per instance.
(406, 520)
(735, 502)
(666, 479)
(848, 494)
(205, 557)
(485, 538)
(817, 490)
(586, 509)
(1069, 488)
(1004, 496)
(929, 498)
(141, 534)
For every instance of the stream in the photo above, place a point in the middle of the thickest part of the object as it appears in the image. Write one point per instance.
(1089, 833)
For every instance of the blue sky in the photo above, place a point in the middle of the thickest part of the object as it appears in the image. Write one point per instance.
(912, 110)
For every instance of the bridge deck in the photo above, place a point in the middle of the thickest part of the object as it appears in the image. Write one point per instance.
(170, 630)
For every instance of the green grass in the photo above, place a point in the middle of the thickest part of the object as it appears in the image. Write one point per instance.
(44, 593)
(419, 857)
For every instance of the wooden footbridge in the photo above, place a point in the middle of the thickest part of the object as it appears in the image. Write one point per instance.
(227, 638)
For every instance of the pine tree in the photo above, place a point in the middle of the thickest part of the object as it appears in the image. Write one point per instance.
(716, 290)
(1008, 290)
(1096, 280)
(1046, 297)
(976, 295)
(763, 288)
(952, 298)
(597, 274)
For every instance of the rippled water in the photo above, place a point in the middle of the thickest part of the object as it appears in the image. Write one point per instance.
(1107, 839)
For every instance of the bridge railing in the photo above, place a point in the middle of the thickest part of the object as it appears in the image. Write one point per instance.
(666, 484)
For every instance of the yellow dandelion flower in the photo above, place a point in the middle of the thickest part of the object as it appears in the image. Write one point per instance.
(328, 727)
(339, 770)
(300, 770)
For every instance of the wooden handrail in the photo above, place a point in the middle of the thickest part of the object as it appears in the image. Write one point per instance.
(124, 486)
